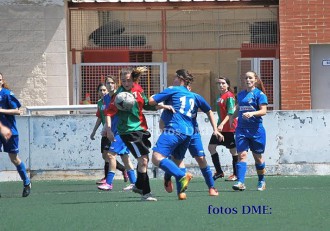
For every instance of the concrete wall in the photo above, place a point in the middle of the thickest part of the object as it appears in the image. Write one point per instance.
(33, 48)
(298, 143)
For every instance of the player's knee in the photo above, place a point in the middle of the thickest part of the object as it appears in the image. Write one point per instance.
(212, 149)
(156, 158)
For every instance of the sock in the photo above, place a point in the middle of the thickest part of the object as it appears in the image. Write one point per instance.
(23, 174)
(235, 159)
(119, 166)
(207, 174)
(261, 171)
(131, 176)
(216, 162)
(241, 171)
(178, 185)
(138, 182)
(110, 177)
(145, 183)
(106, 169)
(170, 168)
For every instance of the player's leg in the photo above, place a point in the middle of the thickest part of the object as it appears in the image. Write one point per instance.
(130, 172)
(111, 159)
(138, 143)
(258, 147)
(11, 147)
(212, 147)
(242, 145)
(230, 144)
(104, 147)
(121, 168)
(197, 151)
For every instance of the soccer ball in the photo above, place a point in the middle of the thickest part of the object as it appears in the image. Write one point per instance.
(125, 101)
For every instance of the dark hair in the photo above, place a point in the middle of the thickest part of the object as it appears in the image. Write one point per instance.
(259, 84)
(228, 83)
(100, 85)
(185, 76)
(4, 84)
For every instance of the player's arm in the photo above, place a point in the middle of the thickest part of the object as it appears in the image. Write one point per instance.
(5, 132)
(108, 112)
(210, 115)
(14, 111)
(261, 112)
(96, 126)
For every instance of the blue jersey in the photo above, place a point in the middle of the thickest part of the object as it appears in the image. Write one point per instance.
(183, 102)
(200, 103)
(114, 119)
(248, 102)
(9, 101)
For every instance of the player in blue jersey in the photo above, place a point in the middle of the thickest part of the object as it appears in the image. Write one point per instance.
(9, 107)
(178, 129)
(195, 146)
(250, 133)
(111, 149)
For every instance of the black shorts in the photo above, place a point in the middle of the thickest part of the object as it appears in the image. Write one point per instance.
(105, 144)
(229, 141)
(137, 142)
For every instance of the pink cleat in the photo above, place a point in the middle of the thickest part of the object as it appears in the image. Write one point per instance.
(105, 187)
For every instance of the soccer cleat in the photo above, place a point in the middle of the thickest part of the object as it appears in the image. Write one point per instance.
(232, 178)
(168, 186)
(148, 197)
(128, 187)
(218, 175)
(213, 192)
(125, 176)
(102, 181)
(184, 181)
(182, 196)
(239, 186)
(261, 185)
(137, 190)
(105, 187)
(27, 190)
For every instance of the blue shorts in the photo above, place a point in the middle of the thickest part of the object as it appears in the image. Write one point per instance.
(11, 146)
(196, 146)
(172, 143)
(251, 138)
(117, 146)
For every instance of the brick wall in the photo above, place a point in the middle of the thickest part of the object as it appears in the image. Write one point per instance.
(302, 22)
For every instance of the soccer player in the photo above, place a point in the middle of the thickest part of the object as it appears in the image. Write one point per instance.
(195, 146)
(9, 107)
(111, 149)
(225, 107)
(178, 130)
(250, 133)
(133, 129)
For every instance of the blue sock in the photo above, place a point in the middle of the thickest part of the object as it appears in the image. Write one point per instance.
(110, 177)
(23, 174)
(170, 168)
(261, 171)
(178, 185)
(131, 176)
(241, 171)
(207, 174)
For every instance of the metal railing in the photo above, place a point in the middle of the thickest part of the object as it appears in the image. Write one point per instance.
(30, 109)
